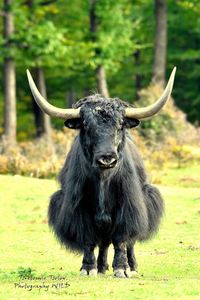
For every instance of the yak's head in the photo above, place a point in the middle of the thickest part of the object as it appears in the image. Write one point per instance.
(102, 122)
(102, 125)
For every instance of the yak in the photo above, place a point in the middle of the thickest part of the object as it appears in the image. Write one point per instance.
(104, 194)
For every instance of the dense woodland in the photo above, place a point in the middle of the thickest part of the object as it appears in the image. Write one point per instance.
(75, 48)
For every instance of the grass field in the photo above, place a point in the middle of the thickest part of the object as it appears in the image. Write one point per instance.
(169, 265)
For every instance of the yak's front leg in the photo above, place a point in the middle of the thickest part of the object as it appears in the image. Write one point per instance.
(120, 264)
(131, 258)
(89, 266)
(102, 263)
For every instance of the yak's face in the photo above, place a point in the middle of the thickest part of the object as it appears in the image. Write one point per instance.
(102, 130)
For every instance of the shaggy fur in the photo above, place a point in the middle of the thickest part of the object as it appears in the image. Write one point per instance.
(96, 207)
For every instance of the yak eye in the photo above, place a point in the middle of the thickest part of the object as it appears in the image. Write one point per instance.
(73, 123)
(130, 123)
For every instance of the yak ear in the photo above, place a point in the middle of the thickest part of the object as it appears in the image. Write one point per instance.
(130, 123)
(73, 123)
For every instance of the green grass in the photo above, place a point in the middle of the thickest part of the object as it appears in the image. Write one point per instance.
(186, 176)
(169, 265)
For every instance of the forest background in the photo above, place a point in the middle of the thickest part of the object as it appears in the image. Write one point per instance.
(117, 48)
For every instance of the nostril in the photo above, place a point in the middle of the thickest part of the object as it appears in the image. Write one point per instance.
(106, 161)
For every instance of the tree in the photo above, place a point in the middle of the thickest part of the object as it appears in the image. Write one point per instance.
(184, 45)
(42, 121)
(134, 70)
(110, 37)
(100, 69)
(40, 45)
(137, 77)
(160, 47)
(111, 29)
(9, 76)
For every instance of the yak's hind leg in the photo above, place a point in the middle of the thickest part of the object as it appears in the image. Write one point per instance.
(89, 266)
(131, 258)
(120, 263)
(102, 263)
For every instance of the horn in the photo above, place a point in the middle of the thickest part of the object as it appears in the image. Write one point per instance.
(148, 111)
(47, 107)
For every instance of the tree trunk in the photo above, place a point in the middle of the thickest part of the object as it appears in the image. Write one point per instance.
(138, 77)
(100, 70)
(30, 4)
(71, 98)
(42, 121)
(101, 81)
(160, 42)
(9, 77)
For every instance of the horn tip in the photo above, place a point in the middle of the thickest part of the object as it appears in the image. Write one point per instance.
(28, 73)
(172, 76)
(174, 71)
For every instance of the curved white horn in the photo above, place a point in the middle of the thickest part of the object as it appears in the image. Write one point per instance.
(148, 111)
(49, 109)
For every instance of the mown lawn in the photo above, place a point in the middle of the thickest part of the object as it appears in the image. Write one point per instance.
(169, 265)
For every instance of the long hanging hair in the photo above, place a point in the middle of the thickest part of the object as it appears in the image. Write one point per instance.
(90, 207)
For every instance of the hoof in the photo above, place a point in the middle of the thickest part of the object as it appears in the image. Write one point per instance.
(128, 273)
(93, 273)
(83, 272)
(134, 274)
(119, 273)
(101, 272)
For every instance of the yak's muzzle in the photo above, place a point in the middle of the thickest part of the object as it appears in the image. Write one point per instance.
(106, 160)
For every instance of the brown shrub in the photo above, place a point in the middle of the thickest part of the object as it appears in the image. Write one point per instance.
(39, 158)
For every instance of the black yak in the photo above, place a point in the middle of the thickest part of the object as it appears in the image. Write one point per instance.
(104, 196)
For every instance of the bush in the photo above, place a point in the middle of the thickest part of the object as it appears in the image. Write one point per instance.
(171, 122)
(39, 158)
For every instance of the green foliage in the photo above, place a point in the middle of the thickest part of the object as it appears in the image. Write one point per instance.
(184, 51)
(40, 42)
(43, 45)
(114, 33)
(57, 38)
